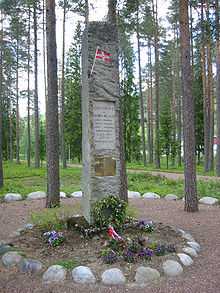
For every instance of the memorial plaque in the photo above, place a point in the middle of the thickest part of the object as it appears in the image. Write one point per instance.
(104, 125)
(105, 166)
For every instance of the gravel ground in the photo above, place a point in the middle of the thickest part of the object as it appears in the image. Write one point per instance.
(202, 277)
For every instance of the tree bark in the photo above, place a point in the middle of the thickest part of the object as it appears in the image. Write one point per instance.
(217, 85)
(28, 92)
(62, 140)
(150, 107)
(17, 105)
(52, 129)
(36, 111)
(1, 102)
(191, 201)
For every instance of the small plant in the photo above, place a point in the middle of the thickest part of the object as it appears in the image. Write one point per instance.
(134, 245)
(110, 210)
(54, 238)
(146, 253)
(170, 248)
(146, 226)
(69, 264)
(129, 256)
(109, 256)
(160, 250)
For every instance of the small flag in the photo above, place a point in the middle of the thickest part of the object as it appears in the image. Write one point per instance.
(103, 55)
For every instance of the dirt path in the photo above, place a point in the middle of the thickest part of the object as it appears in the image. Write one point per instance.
(201, 277)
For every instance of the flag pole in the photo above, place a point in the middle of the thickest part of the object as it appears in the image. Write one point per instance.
(94, 61)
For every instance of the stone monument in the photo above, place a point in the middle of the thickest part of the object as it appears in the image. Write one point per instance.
(100, 116)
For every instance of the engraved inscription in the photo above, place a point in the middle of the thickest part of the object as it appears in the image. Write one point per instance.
(104, 125)
(105, 166)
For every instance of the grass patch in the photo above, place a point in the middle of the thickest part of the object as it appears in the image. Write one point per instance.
(68, 264)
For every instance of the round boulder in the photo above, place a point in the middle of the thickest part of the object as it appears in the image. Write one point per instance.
(55, 274)
(191, 251)
(30, 266)
(151, 195)
(76, 194)
(134, 194)
(11, 258)
(83, 275)
(113, 277)
(194, 245)
(12, 197)
(62, 194)
(171, 197)
(146, 274)
(185, 259)
(208, 200)
(36, 195)
(4, 248)
(172, 268)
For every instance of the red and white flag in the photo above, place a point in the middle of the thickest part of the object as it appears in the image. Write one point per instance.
(103, 55)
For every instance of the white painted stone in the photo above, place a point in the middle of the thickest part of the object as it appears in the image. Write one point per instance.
(113, 277)
(134, 194)
(30, 266)
(55, 274)
(83, 275)
(151, 195)
(171, 197)
(185, 259)
(12, 197)
(36, 195)
(11, 258)
(194, 245)
(62, 194)
(208, 200)
(76, 194)
(191, 251)
(146, 274)
(172, 268)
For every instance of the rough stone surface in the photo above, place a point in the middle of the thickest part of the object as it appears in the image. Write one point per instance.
(36, 195)
(4, 248)
(134, 194)
(191, 251)
(76, 194)
(185, 259)
(11, 258)
(172, 268)
(186, 235)
(30, 266)
(62, 194)
(171, 197)
(146, 274)
(83, 275)
(151, 195)
(55, 274)
(28, 226)
(113, 277)
(12, 197)
(208, 200)
(194, 245)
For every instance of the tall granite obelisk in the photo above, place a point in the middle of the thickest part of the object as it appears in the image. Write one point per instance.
(100, 116)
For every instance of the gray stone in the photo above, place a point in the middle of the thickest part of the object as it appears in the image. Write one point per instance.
(55, 274)
(5, 248)
(113, 277)
(186, 235)
(76, 194)
(185, 259)
(194, 245)
(171, 197)
(208, 200)
(191, 251)
(11, 258)
(12, 197)
(134, 194)
(30, 266)
(62, 194)
(83, 275)
(28, 226)
(101, 150)
(146, 274)
(172, 268)
(151, 195)
(36, 195)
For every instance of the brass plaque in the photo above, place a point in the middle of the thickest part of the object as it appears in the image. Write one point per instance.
(105, 166)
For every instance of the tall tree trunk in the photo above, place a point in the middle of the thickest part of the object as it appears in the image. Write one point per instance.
(52, 129)
(62, 140)
(217, 85)
(123, 176)
(36, 110)
(17, 106)
(191, 35)
(10, 133)
(1, 100)
(157, 90)
(140, 89)
(191, 201)
(150, 106)
(44, 53)
(28, 92)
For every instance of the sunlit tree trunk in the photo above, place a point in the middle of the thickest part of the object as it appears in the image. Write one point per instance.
(17, 105)
(1, 100)
(191, 201)
(28, 93)
(150, 107)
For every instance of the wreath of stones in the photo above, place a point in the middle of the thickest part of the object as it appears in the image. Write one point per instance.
(113, 276)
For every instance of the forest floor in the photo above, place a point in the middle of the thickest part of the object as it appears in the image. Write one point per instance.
(201, 277)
